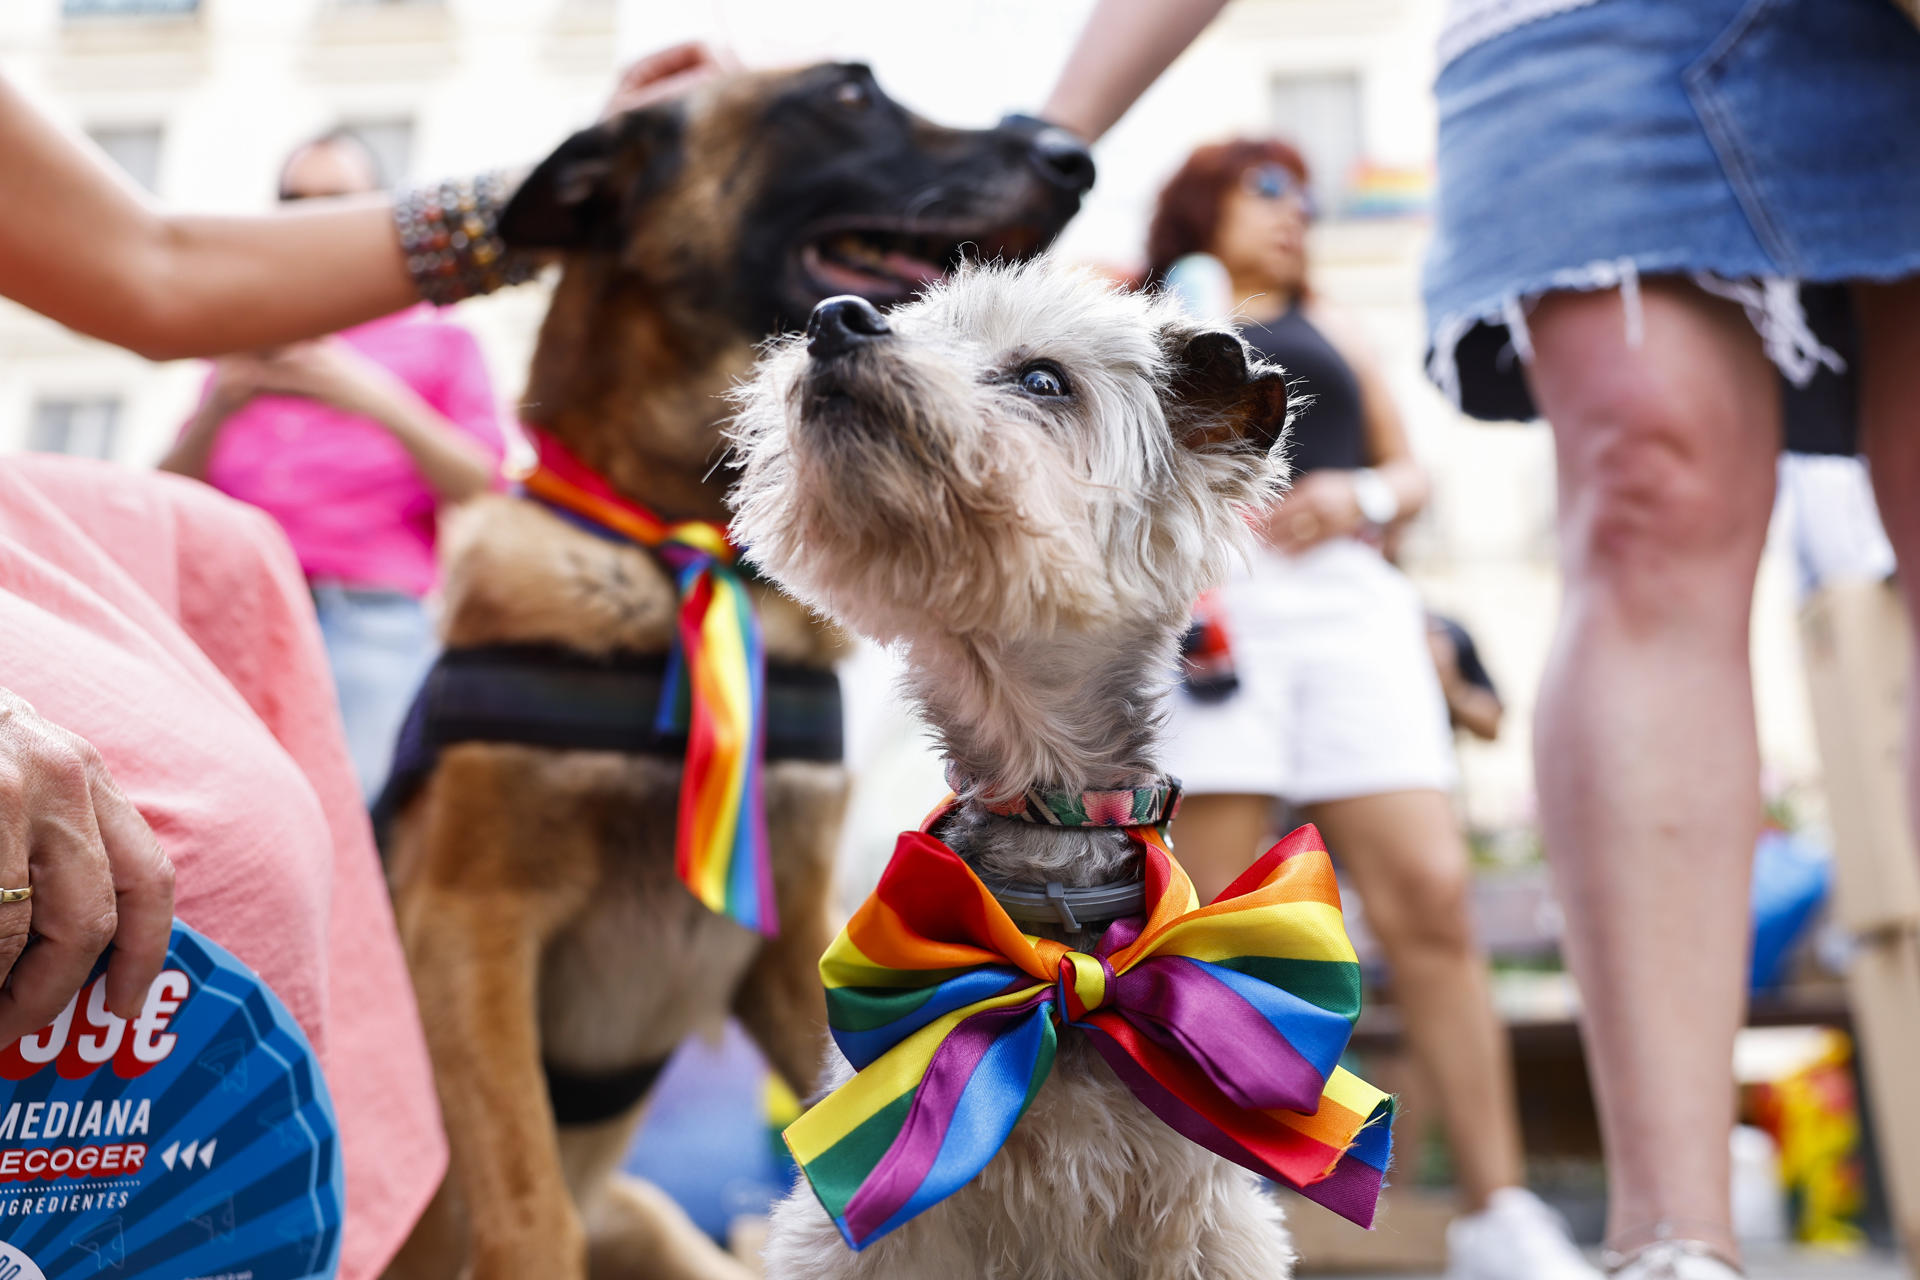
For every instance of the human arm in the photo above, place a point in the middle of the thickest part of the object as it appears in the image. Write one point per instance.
(1389, 452)
(233, 382)
(1327, 503)
(1122, 50)
(454, 466)
(80, 244)
(1476, 710)
(1472, 706)
(97, 875)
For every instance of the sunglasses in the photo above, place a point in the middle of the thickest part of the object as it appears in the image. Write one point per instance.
(1277, 182)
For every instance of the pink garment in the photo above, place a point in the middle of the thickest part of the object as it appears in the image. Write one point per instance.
(349, 498)
(171, 628)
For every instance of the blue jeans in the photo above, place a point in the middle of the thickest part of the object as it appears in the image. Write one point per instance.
(379, 644)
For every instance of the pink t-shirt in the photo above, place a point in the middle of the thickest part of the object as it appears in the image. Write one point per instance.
(170, 628)
(351, 501)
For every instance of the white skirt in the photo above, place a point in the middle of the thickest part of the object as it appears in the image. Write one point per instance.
(1338, 695)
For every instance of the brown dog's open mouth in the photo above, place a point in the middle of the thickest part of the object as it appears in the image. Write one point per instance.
(888, 263)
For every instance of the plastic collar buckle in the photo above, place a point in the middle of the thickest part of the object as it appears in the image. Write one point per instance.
(1073, 909)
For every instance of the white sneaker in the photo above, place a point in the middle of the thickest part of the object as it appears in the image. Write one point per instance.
(1516, 1237)
(1675, 1260)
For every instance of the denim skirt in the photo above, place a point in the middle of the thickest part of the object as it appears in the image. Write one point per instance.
(1756, 146)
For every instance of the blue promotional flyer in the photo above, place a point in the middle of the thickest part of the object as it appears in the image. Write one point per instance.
(195, 1141)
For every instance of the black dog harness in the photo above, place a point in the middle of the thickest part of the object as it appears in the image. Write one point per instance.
(551, 696)
(580, 1097)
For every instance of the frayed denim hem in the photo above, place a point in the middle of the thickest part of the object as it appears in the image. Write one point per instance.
(1773, 309)
(1771, 303)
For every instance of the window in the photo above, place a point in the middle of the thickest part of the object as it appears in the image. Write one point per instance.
(135, 148)
(86, 427)
(1320, 114)
(87, 8)
(391, 142)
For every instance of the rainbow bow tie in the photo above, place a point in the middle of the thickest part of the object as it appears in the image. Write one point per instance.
(1227, 1021)
(714, 689)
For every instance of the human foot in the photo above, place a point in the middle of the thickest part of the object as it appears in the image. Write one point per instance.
(1675, 1260)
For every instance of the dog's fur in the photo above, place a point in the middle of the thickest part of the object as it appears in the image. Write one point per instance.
(535, 888)
(1036, 558)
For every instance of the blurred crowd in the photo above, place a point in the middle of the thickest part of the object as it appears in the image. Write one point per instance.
(1641, 293)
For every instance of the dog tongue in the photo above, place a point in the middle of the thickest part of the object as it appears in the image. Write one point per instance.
(909, 268)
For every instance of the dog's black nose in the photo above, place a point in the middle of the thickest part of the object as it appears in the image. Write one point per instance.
(1063, 159)
(840, 324)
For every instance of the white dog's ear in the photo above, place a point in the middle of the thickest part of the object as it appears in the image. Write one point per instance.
(1217, 396)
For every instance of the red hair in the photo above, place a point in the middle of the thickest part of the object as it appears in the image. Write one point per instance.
(1187, 215)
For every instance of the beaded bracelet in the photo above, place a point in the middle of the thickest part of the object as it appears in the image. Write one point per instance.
(449, 232)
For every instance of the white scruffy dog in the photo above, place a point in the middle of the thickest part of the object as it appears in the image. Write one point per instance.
(1025, 478)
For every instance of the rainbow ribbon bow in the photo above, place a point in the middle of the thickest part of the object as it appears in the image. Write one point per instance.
(715, 686)
(1228, 1021)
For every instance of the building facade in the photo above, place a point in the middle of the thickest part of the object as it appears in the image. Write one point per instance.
(198, 101)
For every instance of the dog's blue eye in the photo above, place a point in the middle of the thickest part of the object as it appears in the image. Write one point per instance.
(1040, 380)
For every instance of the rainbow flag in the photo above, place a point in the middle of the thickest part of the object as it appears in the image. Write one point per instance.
(715, 686)
(1228, 1021)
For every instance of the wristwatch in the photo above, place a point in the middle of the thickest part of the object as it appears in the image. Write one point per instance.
(1379, 504)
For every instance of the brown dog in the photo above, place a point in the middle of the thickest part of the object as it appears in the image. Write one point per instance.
(558, 960)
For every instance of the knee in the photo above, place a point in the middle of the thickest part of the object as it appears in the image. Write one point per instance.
(1428, 909)
(1655, 496)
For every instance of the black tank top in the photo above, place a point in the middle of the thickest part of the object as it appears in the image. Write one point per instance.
(1331, 431)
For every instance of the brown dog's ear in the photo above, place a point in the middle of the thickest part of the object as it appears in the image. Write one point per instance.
(1218, 396)
(585, 194)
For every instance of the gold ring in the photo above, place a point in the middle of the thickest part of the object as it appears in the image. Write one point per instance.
(10, 896)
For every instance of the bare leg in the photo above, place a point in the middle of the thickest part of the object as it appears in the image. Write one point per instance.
(1645, 746)
(1890, 421)
(1404, 852)
(1890, 430)
(1216, 837)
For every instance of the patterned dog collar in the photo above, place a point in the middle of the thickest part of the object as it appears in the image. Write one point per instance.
(1146, 806)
